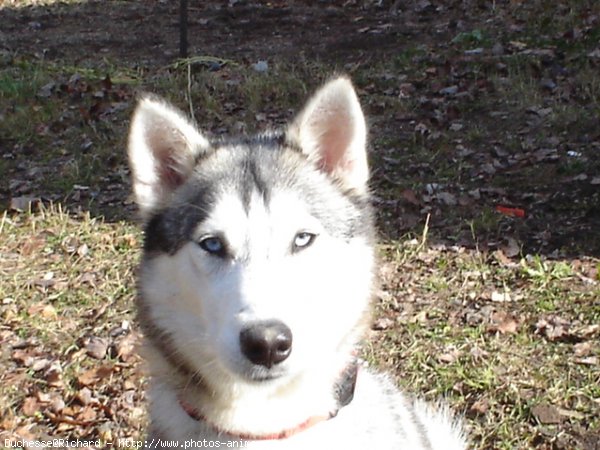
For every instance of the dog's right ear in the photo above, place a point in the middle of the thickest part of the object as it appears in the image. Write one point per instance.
(331, 131)
(163, 145)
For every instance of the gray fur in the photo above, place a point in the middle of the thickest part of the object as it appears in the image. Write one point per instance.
(192, 304)
(261, 164)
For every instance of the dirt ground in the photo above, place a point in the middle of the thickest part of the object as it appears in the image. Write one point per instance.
(550, 172)
(484, 123)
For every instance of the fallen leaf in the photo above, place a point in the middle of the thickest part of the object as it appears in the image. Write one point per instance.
(512, 212)
(450, 355)
(481, 406)
(53, 375)
(92, 376)
(582, 349)
(83, 250)
(23, 204)
(554, 328)
(546, 414)
(511, 248)
(589, 330)
(57, 404)
(447, 198)
(500, 297)
(25, 357)
(382, 323)
(97, 347)
(40, 364)
(589, 361)
(87, 414)
(43, 309)
(503, 322)
(25, 432)
(410, 196)
(30, 406)
(126, 347)
(84, 396)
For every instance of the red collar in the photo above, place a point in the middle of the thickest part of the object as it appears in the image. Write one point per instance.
(343, 390)
(195, 414)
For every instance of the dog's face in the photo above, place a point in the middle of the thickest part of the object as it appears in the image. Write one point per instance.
(258, 252)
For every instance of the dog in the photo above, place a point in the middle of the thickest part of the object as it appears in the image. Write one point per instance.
(255, 283)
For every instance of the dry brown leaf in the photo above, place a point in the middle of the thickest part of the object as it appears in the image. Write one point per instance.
(582, 349)
(553, 327)
(9, 422)
(589, 330)
(25, 432)
(383, 323)
(481, 406)
(88, 277)
(33, 245)
(84, 396)
(43, 309)
(92, 376)
(589, 361)
(410, 196)
(126, 347)
(97, 347)
(87, 414)
(25, 357)
(546, 414)
(30, 406)
(57, 404)
(450, 355)
(503, 322)
(54, 376)
(43, 397)
(40, 364)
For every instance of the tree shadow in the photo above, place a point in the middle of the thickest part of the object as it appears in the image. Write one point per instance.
(462, 122)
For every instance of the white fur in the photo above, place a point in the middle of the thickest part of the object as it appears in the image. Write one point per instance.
(159, 131)
(321, 293)
(332, 129)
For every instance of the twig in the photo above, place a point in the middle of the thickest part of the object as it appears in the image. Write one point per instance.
(425, 232)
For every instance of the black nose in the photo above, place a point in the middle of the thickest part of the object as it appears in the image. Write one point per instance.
(266, 343)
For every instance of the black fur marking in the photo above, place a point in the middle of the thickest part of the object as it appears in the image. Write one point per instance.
(168, 230)
(252, 180)
(259, 165)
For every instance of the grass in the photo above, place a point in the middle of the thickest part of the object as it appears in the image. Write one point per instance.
(62, 273)
(472, 349)
(497, 336)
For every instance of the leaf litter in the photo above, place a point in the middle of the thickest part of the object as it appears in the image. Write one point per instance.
(473, 108)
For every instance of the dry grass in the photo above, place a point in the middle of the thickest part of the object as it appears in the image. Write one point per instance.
(500, 315)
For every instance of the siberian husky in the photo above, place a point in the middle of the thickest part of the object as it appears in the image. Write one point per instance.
(255, 282)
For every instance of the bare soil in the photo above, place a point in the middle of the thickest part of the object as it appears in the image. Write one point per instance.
(448, 59)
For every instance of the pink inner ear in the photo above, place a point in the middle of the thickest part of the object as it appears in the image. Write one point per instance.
(333, 147)
(167, 170)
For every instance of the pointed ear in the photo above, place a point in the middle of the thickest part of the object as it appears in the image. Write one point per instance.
(331, 130)
(162, 148)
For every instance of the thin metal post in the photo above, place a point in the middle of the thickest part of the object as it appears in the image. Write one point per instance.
(183, 26)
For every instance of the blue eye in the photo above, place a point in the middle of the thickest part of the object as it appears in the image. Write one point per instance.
(212, 245)
(303, 240)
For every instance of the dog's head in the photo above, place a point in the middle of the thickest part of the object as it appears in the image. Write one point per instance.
(258, 253)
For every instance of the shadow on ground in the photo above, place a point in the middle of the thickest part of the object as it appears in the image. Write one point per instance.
(484, 118)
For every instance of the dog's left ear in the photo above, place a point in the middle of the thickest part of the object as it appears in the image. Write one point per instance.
(331, 130)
